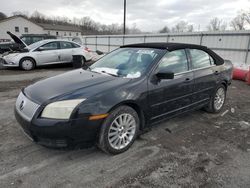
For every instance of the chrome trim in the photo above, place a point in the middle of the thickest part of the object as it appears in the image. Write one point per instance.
(25, 107)
(211, 66)
(190, 94)
(166, 113)
(179, 73)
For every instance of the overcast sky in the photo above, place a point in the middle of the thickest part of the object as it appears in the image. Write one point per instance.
(148, 15)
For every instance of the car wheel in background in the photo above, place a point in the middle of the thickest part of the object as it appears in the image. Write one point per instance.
(78, 61)
(119, 130)
(27, 64)
(217, 101)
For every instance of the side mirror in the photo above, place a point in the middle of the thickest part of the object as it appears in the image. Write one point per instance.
(165, 75)
(99, 52)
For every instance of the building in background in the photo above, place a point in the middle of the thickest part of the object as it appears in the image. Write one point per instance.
(20, 25)
(61, 30)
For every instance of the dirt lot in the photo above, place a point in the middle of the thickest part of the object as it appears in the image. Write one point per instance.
(195, 150)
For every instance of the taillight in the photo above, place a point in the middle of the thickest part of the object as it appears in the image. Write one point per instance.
(87, 49)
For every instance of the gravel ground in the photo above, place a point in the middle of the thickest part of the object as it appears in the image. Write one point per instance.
(195, 150)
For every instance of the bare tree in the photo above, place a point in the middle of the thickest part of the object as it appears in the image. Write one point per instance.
(217, 24)
(165, 29)
(238, 23)
(21, 13)
(190, 28)
(133, 29)
(86, 24)
(247, 16)
(183, 26)
(180, 27)
(38, 17)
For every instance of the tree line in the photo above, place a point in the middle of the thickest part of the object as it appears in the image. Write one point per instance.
(86, 24)
(89, 26)
(240, 22)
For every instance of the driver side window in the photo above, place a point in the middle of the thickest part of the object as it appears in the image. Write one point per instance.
(51, 46)
(175, 61)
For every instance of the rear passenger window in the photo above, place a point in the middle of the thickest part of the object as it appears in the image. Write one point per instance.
(211, 60)
(175, 61)
(200, 59)
(66, 45)
(75, 45)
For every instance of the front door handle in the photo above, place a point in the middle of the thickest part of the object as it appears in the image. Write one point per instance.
(187, 80)
(216, 72)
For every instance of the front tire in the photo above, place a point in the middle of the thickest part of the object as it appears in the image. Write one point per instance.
(27, 64)
(119, 130)
(217, 100)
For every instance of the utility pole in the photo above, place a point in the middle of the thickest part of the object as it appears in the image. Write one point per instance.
(124, 18)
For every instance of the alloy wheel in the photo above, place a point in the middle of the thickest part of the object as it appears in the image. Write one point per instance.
(122, 131)
(27, 64)
(219, 98)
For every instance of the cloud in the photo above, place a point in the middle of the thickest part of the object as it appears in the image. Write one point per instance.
(148, 15)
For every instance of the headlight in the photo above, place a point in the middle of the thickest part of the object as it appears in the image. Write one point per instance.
(9, 56)
(60, 109)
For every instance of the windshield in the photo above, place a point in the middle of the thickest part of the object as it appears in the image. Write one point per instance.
(127, 62)
(35, 45)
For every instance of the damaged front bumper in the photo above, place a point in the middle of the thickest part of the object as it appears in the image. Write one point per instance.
(8, 62)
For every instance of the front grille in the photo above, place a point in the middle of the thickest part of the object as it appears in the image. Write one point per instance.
(25, 107)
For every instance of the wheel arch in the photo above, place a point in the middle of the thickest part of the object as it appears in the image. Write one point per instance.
(83, 56)
(27, 57)
(134, 106)
(225, 83)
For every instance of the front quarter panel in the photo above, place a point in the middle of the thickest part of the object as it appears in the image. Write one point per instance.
(132, 92)
(11, 58)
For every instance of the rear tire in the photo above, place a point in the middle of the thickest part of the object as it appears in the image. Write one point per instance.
(119, 130)
(217, 101)
(27, 64)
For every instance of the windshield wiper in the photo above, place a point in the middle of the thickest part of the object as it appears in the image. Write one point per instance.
(89, 69)
(115, 75)
(102, 71)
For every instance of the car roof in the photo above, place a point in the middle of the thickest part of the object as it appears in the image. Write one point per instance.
(165, 45)
(39, 35)
(56, 40)
(42, 42)
(175, 46)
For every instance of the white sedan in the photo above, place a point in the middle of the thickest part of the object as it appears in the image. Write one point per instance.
(53, 51)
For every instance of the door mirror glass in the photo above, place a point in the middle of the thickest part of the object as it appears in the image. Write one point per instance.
(99, 52)
(165, 75)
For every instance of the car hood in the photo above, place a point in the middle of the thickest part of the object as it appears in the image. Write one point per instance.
(8, 55)
(71, 85)
(17, 39)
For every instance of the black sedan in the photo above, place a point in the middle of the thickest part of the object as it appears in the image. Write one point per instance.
(122, 94)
